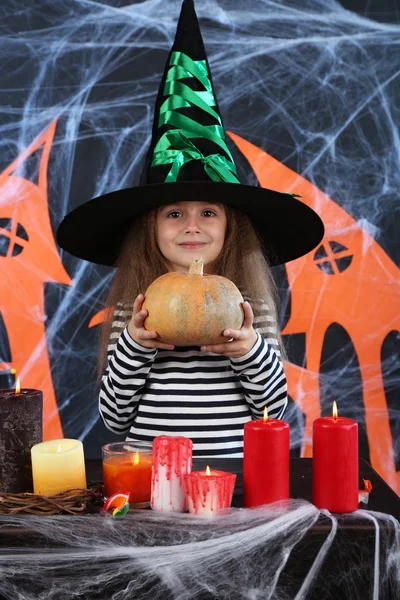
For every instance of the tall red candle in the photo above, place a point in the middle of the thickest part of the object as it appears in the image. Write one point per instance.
(335, 464)
(266, 454)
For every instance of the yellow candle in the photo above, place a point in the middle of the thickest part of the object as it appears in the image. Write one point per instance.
(57, 466)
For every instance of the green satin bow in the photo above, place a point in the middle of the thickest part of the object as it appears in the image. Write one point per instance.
(217, 167)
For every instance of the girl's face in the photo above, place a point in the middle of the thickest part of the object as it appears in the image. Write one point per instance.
(189, 230)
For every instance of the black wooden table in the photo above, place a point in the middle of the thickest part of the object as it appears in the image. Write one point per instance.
(40, 557)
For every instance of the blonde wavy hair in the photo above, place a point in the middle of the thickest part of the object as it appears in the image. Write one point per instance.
(241, 260)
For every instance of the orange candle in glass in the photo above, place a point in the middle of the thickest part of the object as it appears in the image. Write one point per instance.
(127, 468)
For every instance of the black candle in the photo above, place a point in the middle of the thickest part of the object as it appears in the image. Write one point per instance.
(20, 428)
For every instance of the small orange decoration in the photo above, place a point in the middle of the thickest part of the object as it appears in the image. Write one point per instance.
(192, 309)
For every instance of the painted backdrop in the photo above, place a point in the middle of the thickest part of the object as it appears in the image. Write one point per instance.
(308, 90)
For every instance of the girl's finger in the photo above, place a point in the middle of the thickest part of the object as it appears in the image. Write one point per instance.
(147, 335)
(248, 315)
(140, 318)
(151, 339)
(235, 334)
(137, 305)
(163, 346)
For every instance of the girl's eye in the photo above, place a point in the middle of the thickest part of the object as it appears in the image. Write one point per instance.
(174, 214)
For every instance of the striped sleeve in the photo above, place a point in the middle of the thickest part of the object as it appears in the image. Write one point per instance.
(264, 323)
(123, 382)
(263, 379)
(122, 316)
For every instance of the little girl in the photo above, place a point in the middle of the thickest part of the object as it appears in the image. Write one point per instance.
(151, 388)
(190, 204)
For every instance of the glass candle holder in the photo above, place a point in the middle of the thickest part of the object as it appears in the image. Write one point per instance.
(127, 468)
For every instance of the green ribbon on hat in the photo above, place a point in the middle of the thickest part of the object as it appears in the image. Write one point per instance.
(217, 166)
(174, 146)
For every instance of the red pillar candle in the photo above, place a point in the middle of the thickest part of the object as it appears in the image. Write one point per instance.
(266, 453)
(335, 463)
(209, 492)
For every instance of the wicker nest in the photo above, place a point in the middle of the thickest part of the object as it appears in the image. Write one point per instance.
(72, 502)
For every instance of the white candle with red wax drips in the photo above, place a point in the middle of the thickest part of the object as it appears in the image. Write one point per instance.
(172, 460)
(209, 492)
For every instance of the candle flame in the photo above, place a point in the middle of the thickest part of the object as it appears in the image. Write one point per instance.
(136, 458)
(59, 449)
(208, 472)
(265, 414)
(334, 410)
(18, 386)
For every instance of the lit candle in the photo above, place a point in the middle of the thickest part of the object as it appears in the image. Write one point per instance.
(127, 468)
(58, 466)
(172, 460)
(20, 428)
(209, 492)
(335, 463)
(266, 455)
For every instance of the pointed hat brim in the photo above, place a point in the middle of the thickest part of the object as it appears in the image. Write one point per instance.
(95, 231)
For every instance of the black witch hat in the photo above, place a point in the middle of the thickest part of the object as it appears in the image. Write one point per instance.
(189, 159)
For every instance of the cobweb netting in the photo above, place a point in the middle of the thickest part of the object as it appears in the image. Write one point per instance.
(310, 82)
(277, 552)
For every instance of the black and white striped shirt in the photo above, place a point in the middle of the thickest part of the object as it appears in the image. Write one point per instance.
(147, 392)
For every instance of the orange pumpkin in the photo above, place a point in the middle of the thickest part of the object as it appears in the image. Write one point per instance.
(192, 309)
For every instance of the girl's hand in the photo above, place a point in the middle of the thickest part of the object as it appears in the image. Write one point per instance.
(137, 331)
(242, 340)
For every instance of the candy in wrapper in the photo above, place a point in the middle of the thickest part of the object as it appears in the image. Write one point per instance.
(118, 503)
(363, 495)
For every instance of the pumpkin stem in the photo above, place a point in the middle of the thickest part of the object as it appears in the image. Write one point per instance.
(196, 267)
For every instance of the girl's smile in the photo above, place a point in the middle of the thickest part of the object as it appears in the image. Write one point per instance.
(192, 245)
